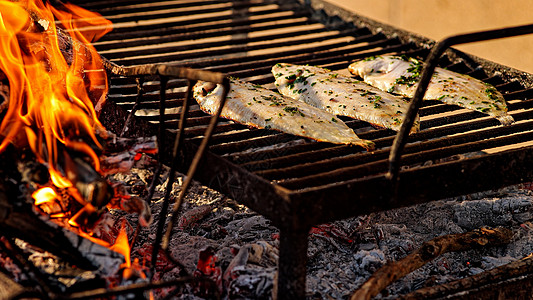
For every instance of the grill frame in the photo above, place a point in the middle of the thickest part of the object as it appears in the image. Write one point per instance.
(295, 210)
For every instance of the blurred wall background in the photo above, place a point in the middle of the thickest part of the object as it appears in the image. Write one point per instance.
(437, 19)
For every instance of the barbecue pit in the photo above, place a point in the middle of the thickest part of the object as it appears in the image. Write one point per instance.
(294, 182)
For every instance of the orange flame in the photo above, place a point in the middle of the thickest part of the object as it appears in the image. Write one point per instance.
(50, 93)
(122, 246)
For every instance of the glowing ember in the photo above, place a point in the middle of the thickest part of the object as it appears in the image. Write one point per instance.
(49, 202)
(44, 195)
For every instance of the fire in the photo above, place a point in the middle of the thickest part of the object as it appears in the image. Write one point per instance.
(56, 83)
(50, 106)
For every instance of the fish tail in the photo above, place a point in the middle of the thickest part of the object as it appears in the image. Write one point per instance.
(505, 119)
(367, 144)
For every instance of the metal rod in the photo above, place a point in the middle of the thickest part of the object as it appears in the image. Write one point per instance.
(268, 44)
(162, 106)
(236, 41)
(138, 99)
(161, 147)
(131, 288)
(428, 70)
(175, 30)
(165, 70)
(196, 161)
(172, 175)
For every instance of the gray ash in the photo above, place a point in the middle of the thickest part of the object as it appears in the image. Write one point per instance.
(343, 254)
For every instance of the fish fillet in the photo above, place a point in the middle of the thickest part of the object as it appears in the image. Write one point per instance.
(256, 106)
(341, 95)
(400, 75)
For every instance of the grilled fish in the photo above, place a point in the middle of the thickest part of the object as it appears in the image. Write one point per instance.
(256, 106)
(400, 75)
(341, 95)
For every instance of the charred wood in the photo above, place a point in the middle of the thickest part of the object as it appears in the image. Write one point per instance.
(430, 250)
(89, 183)
(510, 281)
(19, 219)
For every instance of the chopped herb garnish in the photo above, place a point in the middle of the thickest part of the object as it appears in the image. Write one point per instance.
(291, 77)
(293, 110)
(415, 68)
(492, 93)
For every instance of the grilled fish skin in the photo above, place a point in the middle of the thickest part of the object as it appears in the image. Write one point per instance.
(258, 107)
(341, 95)
(400, 75)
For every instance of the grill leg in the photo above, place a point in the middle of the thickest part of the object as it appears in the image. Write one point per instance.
(292, 264)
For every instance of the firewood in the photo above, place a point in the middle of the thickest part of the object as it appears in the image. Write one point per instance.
(18, 219)
(428, 251)
(516, 272)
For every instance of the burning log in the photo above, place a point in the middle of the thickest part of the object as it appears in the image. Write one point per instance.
(18, 219)
(427, 252)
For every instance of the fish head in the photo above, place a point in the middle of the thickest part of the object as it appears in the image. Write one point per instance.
(204, 88)
(375, 65)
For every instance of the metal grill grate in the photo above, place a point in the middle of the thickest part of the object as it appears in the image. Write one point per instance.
(297, 182)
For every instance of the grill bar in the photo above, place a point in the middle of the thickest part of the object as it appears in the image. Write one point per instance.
(213, 29)
(179, 10)
(167, 31)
